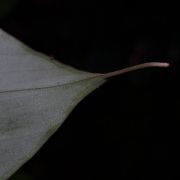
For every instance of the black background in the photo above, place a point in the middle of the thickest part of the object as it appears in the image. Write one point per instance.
(127, 128)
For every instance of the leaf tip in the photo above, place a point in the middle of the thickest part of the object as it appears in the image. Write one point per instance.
(136, 67)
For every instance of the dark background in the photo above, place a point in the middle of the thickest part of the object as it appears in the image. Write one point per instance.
(127, 128)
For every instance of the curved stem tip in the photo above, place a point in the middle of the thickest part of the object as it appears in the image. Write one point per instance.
(136, 67)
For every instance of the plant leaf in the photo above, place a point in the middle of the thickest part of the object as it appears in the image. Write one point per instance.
(36, 96)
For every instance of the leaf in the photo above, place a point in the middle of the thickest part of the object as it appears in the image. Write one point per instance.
(36, 96)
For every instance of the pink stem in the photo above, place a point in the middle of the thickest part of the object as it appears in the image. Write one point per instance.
(134, 68)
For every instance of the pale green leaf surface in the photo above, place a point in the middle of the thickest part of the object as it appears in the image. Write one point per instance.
(36, 96)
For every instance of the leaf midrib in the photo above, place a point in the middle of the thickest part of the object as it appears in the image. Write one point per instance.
(51, 86)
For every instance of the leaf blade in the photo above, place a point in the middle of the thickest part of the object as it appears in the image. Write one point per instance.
(33, 107)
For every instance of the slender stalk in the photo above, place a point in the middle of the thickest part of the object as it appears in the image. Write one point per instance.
(134, 68)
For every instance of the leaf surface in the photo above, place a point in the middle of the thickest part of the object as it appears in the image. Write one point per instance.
(36, 96)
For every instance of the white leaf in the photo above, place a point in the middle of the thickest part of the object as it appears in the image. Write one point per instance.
(36, 96)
